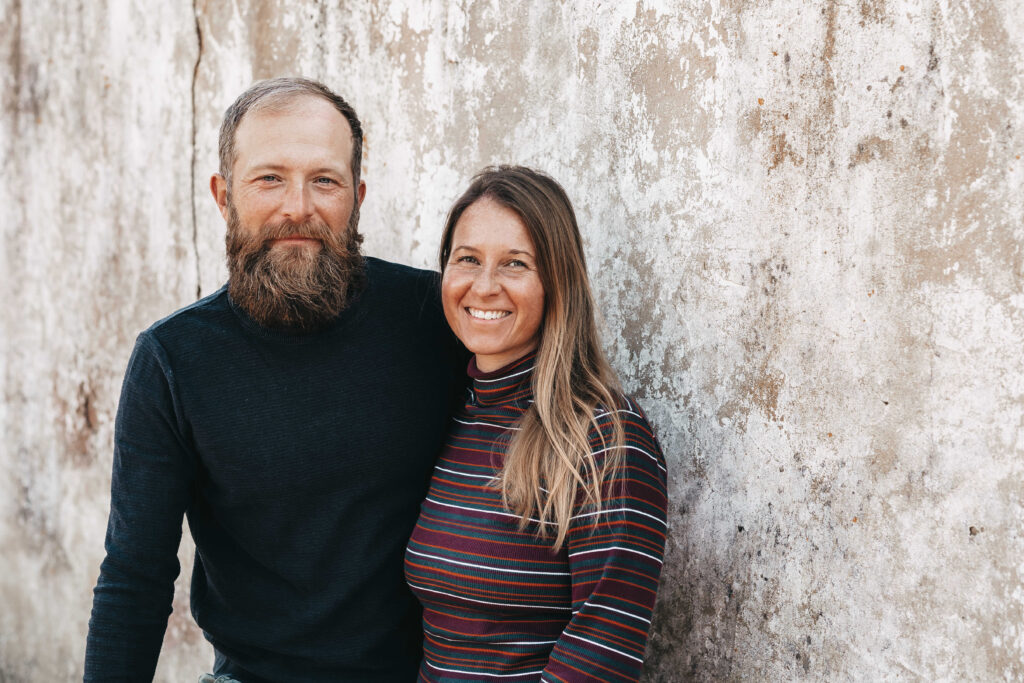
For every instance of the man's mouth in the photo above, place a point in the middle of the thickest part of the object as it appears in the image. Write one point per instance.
(481, 314)
(294, 239)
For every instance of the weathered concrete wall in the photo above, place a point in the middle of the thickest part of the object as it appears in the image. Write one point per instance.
(804, 222)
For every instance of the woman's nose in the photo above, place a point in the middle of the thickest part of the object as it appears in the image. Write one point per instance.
(486, 283)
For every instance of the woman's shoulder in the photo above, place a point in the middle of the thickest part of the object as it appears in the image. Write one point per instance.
(635, 423)
(640, 443)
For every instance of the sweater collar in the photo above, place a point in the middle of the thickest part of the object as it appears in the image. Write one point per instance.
(510, 383)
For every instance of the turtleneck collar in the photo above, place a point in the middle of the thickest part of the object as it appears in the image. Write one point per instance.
(504, 385)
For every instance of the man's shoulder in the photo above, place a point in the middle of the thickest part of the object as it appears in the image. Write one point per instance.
(405, 283)
(389, 272)
(212, 309)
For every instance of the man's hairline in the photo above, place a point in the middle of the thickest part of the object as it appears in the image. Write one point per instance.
(284, 102)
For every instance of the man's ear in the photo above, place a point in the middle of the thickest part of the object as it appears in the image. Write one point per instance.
(219, 190)
(361, 192)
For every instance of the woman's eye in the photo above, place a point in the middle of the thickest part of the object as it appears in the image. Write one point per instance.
(466, 259)
(516, 263)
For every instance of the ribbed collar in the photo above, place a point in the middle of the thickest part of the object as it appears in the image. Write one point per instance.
(504, 385)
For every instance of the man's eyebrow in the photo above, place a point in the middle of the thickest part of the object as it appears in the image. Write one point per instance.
(267, 167)
(271, 166)
(329, 169)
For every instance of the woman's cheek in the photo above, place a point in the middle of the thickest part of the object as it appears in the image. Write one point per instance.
(450, 300)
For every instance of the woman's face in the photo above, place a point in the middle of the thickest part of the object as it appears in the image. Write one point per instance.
(491, 290)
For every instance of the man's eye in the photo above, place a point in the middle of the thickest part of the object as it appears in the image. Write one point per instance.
(325, 181)
(268, 178)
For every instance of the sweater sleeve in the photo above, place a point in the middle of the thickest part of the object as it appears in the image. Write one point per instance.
(151, 487)
(615, 560)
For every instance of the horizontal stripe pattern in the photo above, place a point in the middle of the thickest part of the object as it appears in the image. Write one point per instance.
(498, 603)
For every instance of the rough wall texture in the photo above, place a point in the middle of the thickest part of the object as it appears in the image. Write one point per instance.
(804, 223)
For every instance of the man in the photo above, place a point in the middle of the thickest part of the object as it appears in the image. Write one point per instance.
(293, 416)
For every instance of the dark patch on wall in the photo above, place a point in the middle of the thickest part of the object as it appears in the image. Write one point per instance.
(828, 53)
(274, 48)
(696, 593)
(640, 309)
(752, 125)
(28, 93)
(763, 391)
(779, 150)
(32, 511)
(870, 149)
(759, 384)
(663, 65)
(872, 10)
(933, 59)
(78, 419)
(14, 57)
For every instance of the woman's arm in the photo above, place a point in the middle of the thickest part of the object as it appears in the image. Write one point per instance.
(615, 559)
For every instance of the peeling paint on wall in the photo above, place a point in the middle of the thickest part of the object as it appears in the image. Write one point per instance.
(804, 223)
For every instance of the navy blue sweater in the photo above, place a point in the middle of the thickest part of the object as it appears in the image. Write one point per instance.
(300, 461)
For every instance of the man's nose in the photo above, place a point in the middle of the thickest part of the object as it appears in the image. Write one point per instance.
(298, 205)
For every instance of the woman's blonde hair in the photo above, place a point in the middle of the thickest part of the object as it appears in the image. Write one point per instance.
(548, 462)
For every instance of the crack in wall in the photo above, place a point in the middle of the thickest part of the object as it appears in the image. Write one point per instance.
(192, 187)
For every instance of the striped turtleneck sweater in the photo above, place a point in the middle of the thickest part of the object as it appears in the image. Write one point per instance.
(498, 603)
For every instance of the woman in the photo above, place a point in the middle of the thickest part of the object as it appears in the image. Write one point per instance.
(538, 549)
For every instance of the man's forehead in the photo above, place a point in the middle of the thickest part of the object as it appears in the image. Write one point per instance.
(299, 127)
(294, 104)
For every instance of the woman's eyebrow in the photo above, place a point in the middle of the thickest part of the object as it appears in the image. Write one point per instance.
(469, 247)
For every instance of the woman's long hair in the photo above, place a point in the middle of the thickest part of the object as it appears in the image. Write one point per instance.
(549, 464)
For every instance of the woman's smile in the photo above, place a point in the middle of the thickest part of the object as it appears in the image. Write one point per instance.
(480, 314)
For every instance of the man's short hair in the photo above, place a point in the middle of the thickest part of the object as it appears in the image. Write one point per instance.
(280, 92)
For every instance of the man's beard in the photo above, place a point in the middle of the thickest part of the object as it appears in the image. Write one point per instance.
(293, 287)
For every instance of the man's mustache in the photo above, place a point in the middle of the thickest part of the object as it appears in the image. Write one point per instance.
(312, 229)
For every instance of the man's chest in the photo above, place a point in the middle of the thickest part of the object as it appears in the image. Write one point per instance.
(297, 425)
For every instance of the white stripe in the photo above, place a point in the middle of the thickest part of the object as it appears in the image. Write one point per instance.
(634, 448)
(464, 474)
(482, 566)
(486, 424)
(603, 647)
(502, 379)
(615, 547)
(481, 673)
(486, 512)
(620, 410)
(591, 514)
(612, 609)
(494, 642)
(476, 476)
(486, 602)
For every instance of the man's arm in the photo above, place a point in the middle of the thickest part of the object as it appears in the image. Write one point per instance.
(151, 485)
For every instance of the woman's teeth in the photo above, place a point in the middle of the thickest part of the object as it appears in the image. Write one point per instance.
(487, 315)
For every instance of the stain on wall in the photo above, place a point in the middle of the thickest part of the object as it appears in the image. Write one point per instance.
(804, 226)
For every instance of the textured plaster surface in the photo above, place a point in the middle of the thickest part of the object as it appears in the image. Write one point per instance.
(803, 222)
